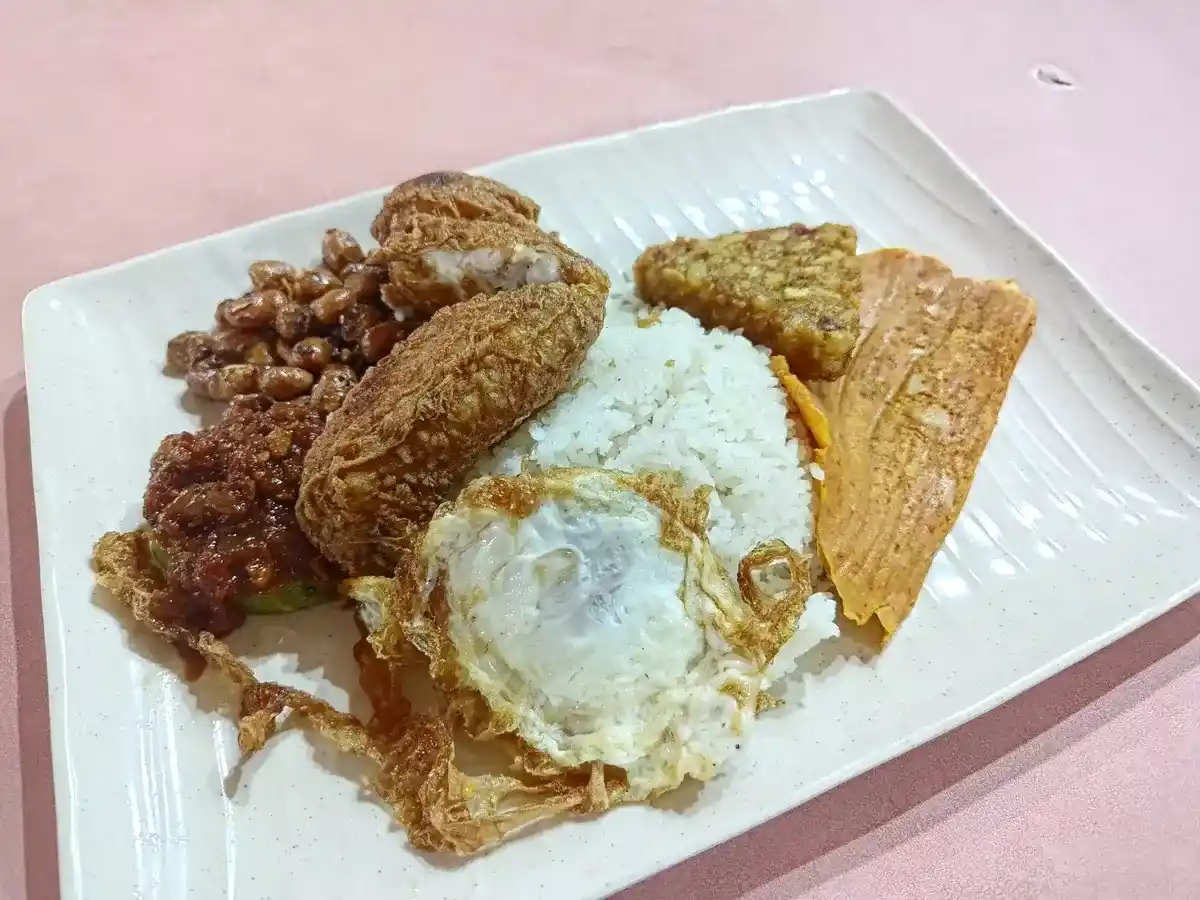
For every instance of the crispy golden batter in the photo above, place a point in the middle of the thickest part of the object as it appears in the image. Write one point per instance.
(423, 416)
(453, 194)
(124, 567)
(909, 422)
(436, 261)
(793, 290)
(441, 807)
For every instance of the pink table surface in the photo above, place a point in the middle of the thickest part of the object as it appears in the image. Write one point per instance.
(126, 126)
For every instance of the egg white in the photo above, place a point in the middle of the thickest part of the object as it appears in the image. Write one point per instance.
(598, 641)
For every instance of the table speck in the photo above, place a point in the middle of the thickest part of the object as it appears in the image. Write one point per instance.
(1054, 77)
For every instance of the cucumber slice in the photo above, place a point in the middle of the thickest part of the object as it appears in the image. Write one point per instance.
(158, 555)
(285, 598)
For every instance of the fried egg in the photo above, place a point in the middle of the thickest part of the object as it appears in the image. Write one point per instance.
(588, 611)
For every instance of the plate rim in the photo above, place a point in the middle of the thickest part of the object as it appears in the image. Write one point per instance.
(38, 299)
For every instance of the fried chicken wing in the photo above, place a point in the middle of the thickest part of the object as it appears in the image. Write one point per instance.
(421, 418)
(436, 261)
(454, 195)
(793, 290)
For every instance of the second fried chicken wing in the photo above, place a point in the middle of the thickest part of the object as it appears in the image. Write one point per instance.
(421, 418)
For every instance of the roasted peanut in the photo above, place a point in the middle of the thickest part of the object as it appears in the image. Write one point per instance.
(364, 281)
(329, 307)
(255, 402)
(375, 269)
(357, 320)
(339, 249)
(275, 297)
(310, 284)
(239, 378)
(283, 349)
(231, 346)
(284, 382)
(270, 273)
(200, 376)
(260, 354)
(250, 311)
(351, 356)
(185, 350)
(223, 383)
(313, 354)
(380, 339)
(332, 387)
(292, 320)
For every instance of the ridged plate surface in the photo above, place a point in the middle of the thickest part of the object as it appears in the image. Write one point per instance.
(1082, 524)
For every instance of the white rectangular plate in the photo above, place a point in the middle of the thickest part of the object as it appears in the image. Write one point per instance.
(1082, 524)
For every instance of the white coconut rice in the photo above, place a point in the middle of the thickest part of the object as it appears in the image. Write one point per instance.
(667, 394)
(658, 391)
